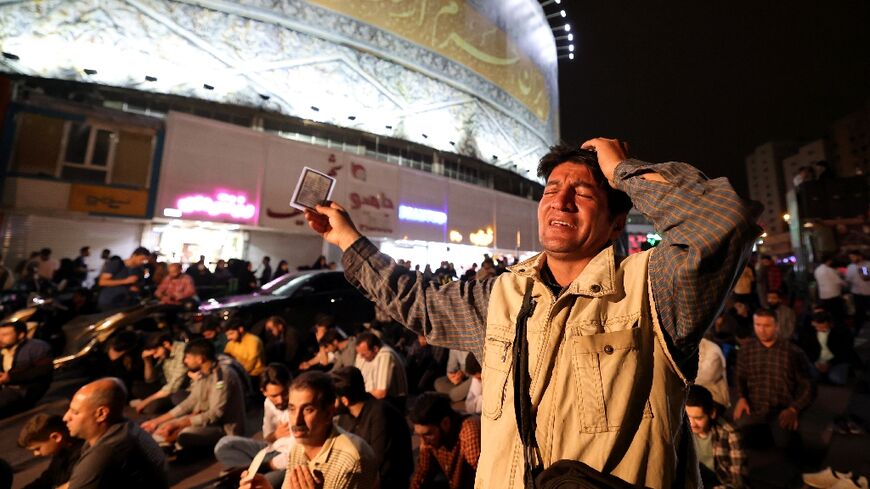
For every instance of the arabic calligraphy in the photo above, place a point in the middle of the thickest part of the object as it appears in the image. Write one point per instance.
(377, 201)
(455, 29)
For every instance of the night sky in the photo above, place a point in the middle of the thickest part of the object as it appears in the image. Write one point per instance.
(706, 82)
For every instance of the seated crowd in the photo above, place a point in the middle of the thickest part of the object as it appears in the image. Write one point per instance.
(341, 408)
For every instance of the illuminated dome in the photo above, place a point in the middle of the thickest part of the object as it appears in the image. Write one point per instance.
(478, 78)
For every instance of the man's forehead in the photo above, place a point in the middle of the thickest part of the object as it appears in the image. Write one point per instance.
(572, 173)
(301, 396)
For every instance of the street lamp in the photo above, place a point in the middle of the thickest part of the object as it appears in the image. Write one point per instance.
(786, 217)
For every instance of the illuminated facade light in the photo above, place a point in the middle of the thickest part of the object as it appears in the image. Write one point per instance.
(571, 48)
(562, 13)
(786, 217)
(429, 216)
(567, 27)
(571, 56)
(225, 205)
(455, 236)
(481, 237)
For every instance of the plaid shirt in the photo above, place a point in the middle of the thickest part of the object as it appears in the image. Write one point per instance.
(345, 461)
(775, 378)
(729, 459)
(458, 462)
(707, 230)
(174, 370)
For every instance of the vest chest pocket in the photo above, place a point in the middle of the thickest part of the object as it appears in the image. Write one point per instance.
(606, 368)
(498, 358)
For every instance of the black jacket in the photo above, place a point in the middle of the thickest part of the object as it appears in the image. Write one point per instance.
(32, 368)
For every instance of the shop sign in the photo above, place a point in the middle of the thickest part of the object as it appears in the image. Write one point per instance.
(416, 214)
(222, 205)
(97, 199)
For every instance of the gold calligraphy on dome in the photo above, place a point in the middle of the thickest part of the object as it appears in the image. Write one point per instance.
(456, 30)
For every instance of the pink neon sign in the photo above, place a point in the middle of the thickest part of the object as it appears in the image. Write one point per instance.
(224, 205)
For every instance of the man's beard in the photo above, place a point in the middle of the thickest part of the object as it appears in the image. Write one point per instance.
(342, 409)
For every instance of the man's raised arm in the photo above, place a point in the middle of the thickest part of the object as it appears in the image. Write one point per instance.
(707, 235)
(451, 315)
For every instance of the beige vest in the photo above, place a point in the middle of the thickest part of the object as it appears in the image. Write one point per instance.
(604, 386)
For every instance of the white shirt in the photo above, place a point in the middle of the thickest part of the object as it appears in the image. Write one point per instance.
(711, 371)
(385, 372)
(829, 281)
(825, 355)
(272, 417)
(857, 284)
(474, 399)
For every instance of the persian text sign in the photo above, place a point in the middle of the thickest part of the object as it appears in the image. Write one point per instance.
(108, 200)
(223, 205)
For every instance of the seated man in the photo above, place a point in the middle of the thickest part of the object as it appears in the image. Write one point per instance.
(116, 453)
(455, 384)
(382, 369)
(830, 349)
(237, 452)
(26, 369)
(378, 423)
(722, 461)
(449, 442)
(246, 348)
(164, 382)
(341, 347)
(774, 385)
(214, 408)
(176, 287)
(280, 343)
(212, 332)
(47, 436)
(324, 455)
(785, 316)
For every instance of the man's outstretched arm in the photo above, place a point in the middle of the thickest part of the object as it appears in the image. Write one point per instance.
(451, 315)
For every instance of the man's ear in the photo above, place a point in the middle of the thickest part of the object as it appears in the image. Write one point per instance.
(445, 424)
(617, 226)
(101, 413)
(56, 436)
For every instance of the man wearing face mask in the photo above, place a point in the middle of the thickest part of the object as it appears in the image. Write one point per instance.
(586, 356)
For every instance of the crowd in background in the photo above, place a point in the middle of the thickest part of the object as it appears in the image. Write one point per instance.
(350, 397)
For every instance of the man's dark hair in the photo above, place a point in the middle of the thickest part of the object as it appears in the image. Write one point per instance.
(764, 312)
(156, 340)
(700, 397)
(822, 317)
(332, 334)
(84, 249)
(430, 409)
(349, 383)
(275, 373)
(324, 320)
(141, 251)
(20, 326)
(370, 339)
(618, 202)
(45, 252)
(277, 320)
(201, 347)
(124, 341)
(320, 383)
(472, 366)
(266, 258)
(40, 427)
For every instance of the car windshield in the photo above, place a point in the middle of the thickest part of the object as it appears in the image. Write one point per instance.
(285, 285)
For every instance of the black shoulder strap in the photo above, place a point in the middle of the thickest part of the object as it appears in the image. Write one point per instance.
(522, 386)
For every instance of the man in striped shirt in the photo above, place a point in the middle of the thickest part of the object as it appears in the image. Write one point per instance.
(612, 342)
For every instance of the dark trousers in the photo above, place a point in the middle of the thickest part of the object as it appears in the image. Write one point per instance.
(862, 305)
(836, 306)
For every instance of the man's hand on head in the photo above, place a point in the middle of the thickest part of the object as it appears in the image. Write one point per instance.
(610, 152)
(333, 223)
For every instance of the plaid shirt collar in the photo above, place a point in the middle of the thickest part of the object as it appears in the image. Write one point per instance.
(596, 280)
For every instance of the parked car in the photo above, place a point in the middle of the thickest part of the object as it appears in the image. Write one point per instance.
(88, 334)
(297, 297)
